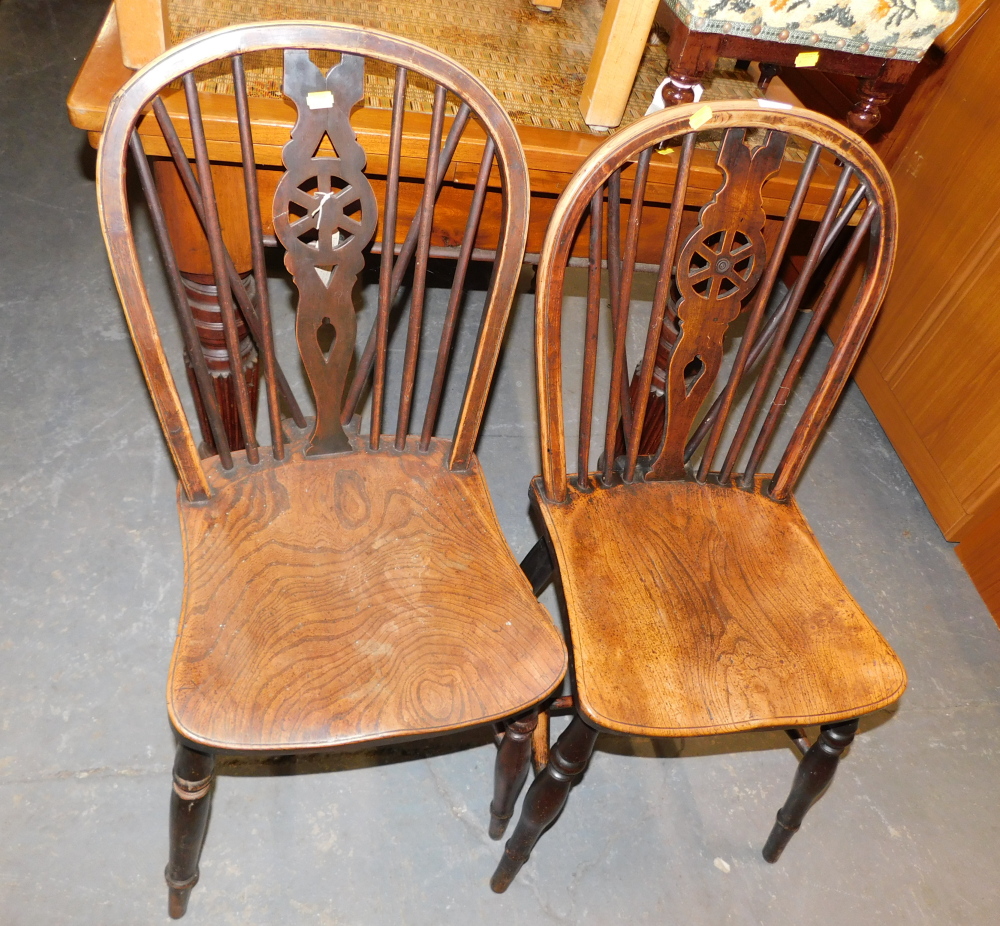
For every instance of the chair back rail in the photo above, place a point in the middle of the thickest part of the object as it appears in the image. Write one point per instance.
(325, 216)
(722, 269)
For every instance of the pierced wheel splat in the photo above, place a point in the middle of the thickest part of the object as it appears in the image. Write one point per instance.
(718, 266)
(324, 216)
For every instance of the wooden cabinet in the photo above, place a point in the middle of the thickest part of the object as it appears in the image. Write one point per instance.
(931, 371)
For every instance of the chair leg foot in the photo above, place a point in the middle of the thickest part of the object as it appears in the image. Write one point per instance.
(813, 776)
(190, 802)
(511, 770)
(546, 798)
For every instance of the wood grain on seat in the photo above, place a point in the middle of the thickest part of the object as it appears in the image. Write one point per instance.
(698, 609)
(351, 598)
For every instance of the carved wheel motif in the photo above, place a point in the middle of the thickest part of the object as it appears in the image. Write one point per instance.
(326, 213)
(721, 265)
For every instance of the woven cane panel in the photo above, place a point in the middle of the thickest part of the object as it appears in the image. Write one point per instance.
(535, 63)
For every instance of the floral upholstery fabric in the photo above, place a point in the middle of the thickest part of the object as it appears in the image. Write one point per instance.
(881, 28)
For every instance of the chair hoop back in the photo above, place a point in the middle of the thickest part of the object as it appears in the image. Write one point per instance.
(722, 268)
(502, 164)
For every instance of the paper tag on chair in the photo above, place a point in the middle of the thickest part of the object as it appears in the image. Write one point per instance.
(320, 99)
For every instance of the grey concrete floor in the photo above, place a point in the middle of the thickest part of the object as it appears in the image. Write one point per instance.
(656, 832)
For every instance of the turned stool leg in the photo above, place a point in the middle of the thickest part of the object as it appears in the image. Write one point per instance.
(681, 86)
(190, 801)
(812, 777)
(866, 113)
(545, 798)
(511, 770)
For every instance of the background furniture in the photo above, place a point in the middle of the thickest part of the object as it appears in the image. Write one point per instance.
(876, 42)
(341, 588)
(552, 153)
(699, 602)
(931, 371)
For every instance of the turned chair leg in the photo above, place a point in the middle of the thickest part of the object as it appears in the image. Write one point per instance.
(545, 798)
(190, 801)
(511, 770)
(813, 776)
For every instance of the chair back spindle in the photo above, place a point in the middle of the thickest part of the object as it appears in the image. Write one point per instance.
(326, 217)
(685, 416)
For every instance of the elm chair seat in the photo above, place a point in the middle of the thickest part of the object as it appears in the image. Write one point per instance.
(721, 643)
(403, 613)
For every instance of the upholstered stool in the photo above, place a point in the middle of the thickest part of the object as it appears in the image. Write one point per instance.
(878, 41)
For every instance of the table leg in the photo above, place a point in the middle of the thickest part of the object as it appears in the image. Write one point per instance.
(191, 250)
(620, 44)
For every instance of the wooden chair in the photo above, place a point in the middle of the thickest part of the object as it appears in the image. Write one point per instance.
(341, 588)
(699, 602)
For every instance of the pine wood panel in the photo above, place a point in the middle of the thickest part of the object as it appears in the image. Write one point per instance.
(621, 40)
(698, 609)
(931, 370)
(144, 30)
(352, 598)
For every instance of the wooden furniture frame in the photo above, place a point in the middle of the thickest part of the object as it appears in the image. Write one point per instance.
(340, 588)
(698, 600)
(931, 368)
(693, 55)
(135, 31)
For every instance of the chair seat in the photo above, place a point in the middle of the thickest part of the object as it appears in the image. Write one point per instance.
(697, 609)
(348, 599)
(867, 27)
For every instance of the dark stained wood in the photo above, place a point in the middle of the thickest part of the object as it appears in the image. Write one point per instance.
(625, 146)
(720, 265)
(204, 384)
(693, 55)
(511, 770)
(256, 232)
(759, 344)
(761, 301)
(450, 324)
(545, 798)
(814, 774)
(190, 801)
(338, 589)
(425, 221)
(773, 355)
(324, 217)
(217, 250)
(663, 327)
(378, 338)
(537, 565)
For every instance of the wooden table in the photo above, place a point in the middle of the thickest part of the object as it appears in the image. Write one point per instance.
(553, 155)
